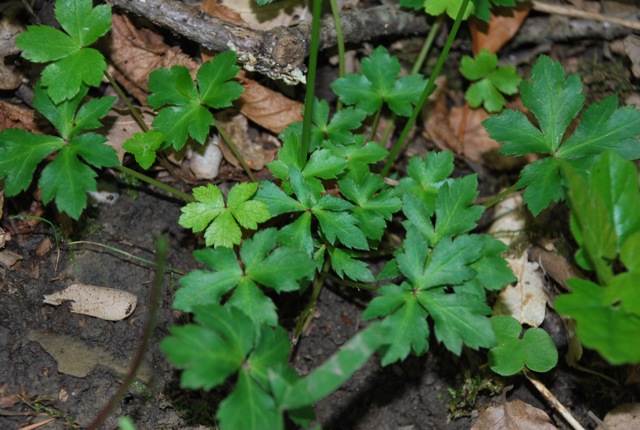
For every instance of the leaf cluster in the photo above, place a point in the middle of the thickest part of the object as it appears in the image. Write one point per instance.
(605, 224)
(514, 351)
(492, 81)
(69, 176)
(555, 101)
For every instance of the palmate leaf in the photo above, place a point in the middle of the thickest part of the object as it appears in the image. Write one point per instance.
(379, 83)
(143, 145)
(555, 100)
(186, 114)
(492, 81)
(610, 330)
(211, 350)
(459, 319)
(74, 65)
(222, 222)
(20, 154)
(279, 268)
(426, 176)
(405, 320)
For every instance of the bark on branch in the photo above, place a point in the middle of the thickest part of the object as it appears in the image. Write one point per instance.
(278, 53)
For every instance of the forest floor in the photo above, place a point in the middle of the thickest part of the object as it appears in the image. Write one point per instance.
(62, 367)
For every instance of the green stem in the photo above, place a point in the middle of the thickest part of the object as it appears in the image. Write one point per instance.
(134, 112)
(431, 84)
(307, 313)
(168, 188)
(234, 149)
(426, 47)
(428, 43)
(125, 253)
(311, 82)
(339, 42)
(374, 125)
(162, 249)
(500, 197)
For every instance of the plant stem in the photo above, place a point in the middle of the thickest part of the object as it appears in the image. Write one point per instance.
(236, 153)
(427, 91)
(428, 43)
(311, 82)
(162, 248)
(120, 251)
(426, 47)
(168, 188)
(500, 197)
(352, 284)
(374, 125)
(307, 313)
(134, 112)
(339, 43)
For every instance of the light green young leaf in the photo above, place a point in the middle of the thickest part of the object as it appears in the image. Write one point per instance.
(83, 22)
(492, 81)
(451, 7)
(221, 222)
(143, 145)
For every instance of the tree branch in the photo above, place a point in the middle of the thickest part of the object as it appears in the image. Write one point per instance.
(278, 53)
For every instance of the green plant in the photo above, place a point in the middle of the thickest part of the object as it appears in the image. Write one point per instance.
(555, 101)
(605, 224)
(327, 210)
(514, 351)
(492, 81)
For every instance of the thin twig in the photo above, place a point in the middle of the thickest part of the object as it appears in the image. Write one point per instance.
(577, 13)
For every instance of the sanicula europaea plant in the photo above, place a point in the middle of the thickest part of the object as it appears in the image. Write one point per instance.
(330, 206)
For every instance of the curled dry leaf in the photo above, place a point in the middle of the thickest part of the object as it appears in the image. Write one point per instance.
(527, 300)
(514, 415)
(100, 302)
(283, 12)
(623, 417)
(136, 52)
(632, 49)
(12, 116)
(10, 27)
(503, 25)
(256, 152)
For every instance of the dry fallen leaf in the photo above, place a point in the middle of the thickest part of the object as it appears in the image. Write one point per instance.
(503, 25)
(10, 27)
(632, 48)
(283, 12)
(514, 415)
(623, 417)
(100, 302)
(527, 300)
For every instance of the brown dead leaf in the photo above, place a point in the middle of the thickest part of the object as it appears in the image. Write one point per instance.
(623, 417)
(514, 415)
(282, 13)
(503, 25)
(632, 49)
(10, 27)
(8, 259)
(256, 153)
(136, 52)
(13, 116)
(265, 107)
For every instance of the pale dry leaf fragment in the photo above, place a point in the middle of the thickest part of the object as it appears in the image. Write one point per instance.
(623, 417)
(281, 13)
(10, 27)
(9, 259)
(527, 300)
(105, 303)
(513, 415)
(632, 48)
